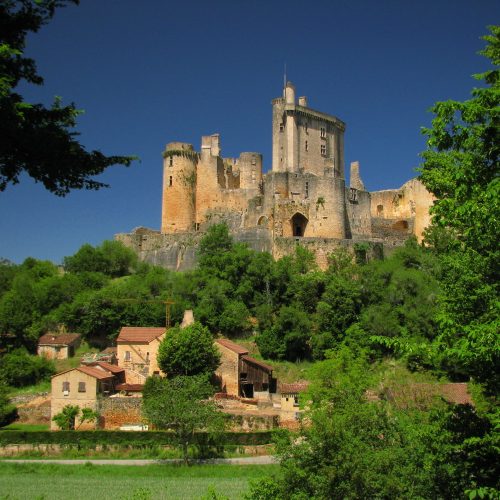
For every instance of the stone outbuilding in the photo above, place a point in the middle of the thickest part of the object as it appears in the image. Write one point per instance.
(241, 375)
(58, 345)
(137, 349)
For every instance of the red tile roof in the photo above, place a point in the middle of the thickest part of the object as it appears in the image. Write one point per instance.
(139, 334)
(95, 372)
(293, 388)
(130, 387)
(232, 346)
(58, 338)
(261, 364)
(108, 366)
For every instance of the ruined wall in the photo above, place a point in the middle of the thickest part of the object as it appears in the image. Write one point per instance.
(412, 200)
(359, 221)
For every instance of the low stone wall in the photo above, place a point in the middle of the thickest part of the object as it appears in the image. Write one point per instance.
(115, 412)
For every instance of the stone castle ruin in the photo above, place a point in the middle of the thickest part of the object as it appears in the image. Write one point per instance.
(303, 199)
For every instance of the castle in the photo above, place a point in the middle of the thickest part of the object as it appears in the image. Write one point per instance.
(302, 199)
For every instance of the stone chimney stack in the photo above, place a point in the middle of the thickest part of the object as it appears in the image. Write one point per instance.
(303, 101)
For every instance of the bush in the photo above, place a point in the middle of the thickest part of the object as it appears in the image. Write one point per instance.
(18, 368)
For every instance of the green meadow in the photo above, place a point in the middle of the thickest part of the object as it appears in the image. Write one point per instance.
(55, 482)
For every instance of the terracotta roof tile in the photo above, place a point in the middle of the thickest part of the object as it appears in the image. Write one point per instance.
(232, 346)
(254, 361)
(130, 387)
(58, 338)
(95, 372)
(139, 334)
(108, 366)
(293, 388)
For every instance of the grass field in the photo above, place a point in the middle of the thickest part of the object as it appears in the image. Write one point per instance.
(54, 482)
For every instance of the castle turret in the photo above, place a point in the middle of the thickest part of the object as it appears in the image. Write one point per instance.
(179, 187)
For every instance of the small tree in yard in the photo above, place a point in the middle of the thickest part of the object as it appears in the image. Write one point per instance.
(188, 351)
(66, 419)
(181, 405)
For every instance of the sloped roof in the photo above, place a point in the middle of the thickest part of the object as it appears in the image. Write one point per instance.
(232, 346)
(294, 388)
(108, 366)
(58, 338)
(130, 387)
(95, 372)
(261, 364)
(139, 334)
(109, 350)
(89, 370)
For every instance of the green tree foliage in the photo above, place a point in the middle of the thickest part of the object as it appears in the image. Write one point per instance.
(288, 337)
(67, 417)
(461, 164)
(181, 405)
(8, 412)
(18, 368)
(461, 167)
(188, 351)
(38, 140)
(111, 258)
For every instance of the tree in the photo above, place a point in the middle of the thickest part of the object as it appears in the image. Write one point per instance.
(188, 351)
(181, 405)
(8, 412)
(461, 164)
(66, 418)
(34, 139)
(18, 368)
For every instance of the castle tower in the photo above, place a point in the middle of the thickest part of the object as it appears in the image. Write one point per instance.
(305, 140)
(179, 188)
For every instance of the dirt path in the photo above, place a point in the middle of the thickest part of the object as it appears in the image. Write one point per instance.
(261, 460)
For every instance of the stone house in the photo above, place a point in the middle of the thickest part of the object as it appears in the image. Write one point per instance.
(58, 345)
(83, 386)
(241, 375)
(136, 351)
(290, 400)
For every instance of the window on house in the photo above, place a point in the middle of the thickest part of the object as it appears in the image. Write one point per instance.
(295, 401)
(65, 386)
(171, 162)
(307, 189)
(323, 149)
(170, 181)
(322, 132)
(128, 355)
(307, 146)
(82, 387)
(282, 127)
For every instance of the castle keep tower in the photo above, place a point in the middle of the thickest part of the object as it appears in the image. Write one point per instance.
(179, 188)
(305, 140)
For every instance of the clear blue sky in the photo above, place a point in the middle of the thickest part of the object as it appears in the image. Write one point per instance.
(150, 72)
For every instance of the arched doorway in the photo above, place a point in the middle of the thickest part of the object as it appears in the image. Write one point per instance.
(263, 221)
(299, 224)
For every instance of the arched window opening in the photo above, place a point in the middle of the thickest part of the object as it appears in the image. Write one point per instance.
(299, 224)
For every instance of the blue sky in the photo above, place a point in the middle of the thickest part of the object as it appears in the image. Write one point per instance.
(151, 72)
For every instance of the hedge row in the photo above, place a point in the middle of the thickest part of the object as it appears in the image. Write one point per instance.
(144, 439)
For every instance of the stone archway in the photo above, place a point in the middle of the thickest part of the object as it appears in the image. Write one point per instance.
(263, 221)
(299, 224)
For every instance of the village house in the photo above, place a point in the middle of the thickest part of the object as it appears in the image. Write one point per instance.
(137, 349)
(58, 345)
(241, 375)
(83, 386)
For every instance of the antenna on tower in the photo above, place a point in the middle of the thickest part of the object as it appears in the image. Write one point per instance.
(284, 76)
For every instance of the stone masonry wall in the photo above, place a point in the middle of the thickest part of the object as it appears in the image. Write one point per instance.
(118, 411)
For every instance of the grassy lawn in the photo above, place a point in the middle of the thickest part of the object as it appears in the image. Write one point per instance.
(54, 482)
